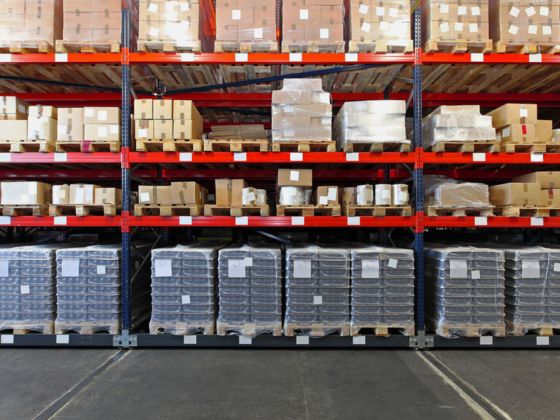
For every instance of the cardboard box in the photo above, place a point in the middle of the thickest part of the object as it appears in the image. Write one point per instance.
(517, 133)
(229, 192)
(466, 194)
(154, 195)
(42, 128)
(102, 132)
(163, 129)
(70, 124)
(13, 130)
(143, 109)
(25, 193)
(547, 180)
(15, 106)
(60, 194)
(43, 111)
(108, 196)
(82, 193)
(349, 196)
(514, 114)
(555, 135)
(102, 115)
(188, 193)
(144, 129)
(327, 196)
(515, 194)
(543, 131)
(185, 110)
(550, 198)
(186, 130)
(163, 109)
(295, 177)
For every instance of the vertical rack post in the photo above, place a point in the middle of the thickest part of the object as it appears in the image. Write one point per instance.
(164, 230)
(418, 169)
(383, 232)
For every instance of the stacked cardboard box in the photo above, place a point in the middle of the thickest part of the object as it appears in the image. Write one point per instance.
(25, 193)
(524, 21)
(102, 124)
(70, 124)
(176, 193)
(42, 123)
(370, 122)
(294, 187)
(301, 111)
(549, 185)
(30, 21)
(13, 118)
(236, 192)
(518, 123)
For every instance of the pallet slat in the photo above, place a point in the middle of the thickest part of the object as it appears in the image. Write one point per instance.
(168, 145)
(457, 47)
(181, 328)
(26, 47)
(22, 327)
(383, 330)
(249, 330)
(22, 146)
(169, 46)
(481, 146)
(377, 147)
(313, 47)
(83, 210)
(371, 46)
(304, 146)
(19, 210)
(167, 210)
(213, 210)
(88, 146)
(459, 211)
(378, 211)
(70, 46)
(308, 210)
(317, 330)
(501, 47)
(217, 145)
(530, 148)
(246, 47)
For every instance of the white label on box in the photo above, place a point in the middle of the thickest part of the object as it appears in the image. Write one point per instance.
(186, 299)
(145, 197)
(5, 220)
(185, 220)
(184, 7)
(556, 266)
(302, 339)
(102, 131)
(251, 196)
(5, 157)
(236, 268)
(479, 157)
(475, 11)
(323, 33)
(323, 200)
(248, 261)
(71, 268)
(514, 11)
(62, 339)
(543, 341)
(370, 269)
(513, 29)
(245, 340)
(298, 221)
(537, 157)
(353, 221)
(25, 290)
(32, 188)
(304, 14)
(302, 269)
(350, 57)
(153, 7)
(101, 269)
(473, 27)
(24, 198)
(241, 221)
(5, 58)
(392, 263)
(143, 133)
(380, 11)
(296, 157)
(88, 112)
(241, 57)
(352, 157)
(475, 274)
(393, 12)
(462, 10)
(317, 300)
(258, 33)
(294, 175)
(187, 56)
(60, 220)
(481, 221)
(535, 58)
(185, 157)
(532, 30)
(102, 115)
(486, 340)
(236, 15)
(240, 157)
(459, 27)
(169, 7)
(359, 341)
(547, 30)
(523, 113)
(296, 57)
(383, 26)
(61, 58)
(114, 129)
(444, 27)
(332, 194)
(458, 269)
(530, 269)
(189, 339)
(7, 339)
(543, 11)
(4, 268)
(444, 8)
(530, 11)
(366, 27)
(363, 9)
(163, 268)
(537, 221)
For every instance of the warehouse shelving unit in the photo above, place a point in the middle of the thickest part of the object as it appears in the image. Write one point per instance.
(346, 166)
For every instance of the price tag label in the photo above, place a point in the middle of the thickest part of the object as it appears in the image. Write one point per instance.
(241, 57)
(185, 220)
(481, 221)
(245, 340)
(359, 341)
(352, 157)
(240, 157)
(298, 221)
(486, 340)
(61, 58)
(537, 157)
(5, 157)
(479, 157)
(60, 220)
(5, 220)
(62, 339)
(543, 341)
(351, 57)
(185, 157)
(302, 340)
(189, 339)
(296, 157)
(477, 58)
(242, 221)
(7, 339)
(535, 58)
(6, 58)
(187, 57)
(353, 221)
(537, 221)
(61, 157)
(296, 57)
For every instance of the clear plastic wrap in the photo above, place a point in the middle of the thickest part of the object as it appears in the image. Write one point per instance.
(464, 290)
(294, 196)
(250, 290)
(400, 195)
(184, 294)
(382, 288)
(383, 195)
(440, 191)
(301, 111)
(28, 22)
(364, 195)
(317, 290)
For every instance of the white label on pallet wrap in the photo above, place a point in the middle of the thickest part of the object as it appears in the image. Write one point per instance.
(543, 11)
(185, 157)
(462, 10)
(332, 194)
(189, 339)
(444, 8)
(5, 220)
(481, 221)
(535, 58)
(302, 269)
(353, 221)
(537, 221)
(6, 58)
(7, 339)
(187, 57)
(351, 56)
(323, 200)
(5, 157)
(71, 268)
(513, 29)
(477, 58)
(298, 221)
(370, 269)
(61, 58)
(537, 157)
(317, 300)
(473, 27)
(4, 268)
(245, 340)
(186, 299)
(324, 33)
(359, 341)
(62, 339)
(60, 220)
(547, 30)
(236, 268)
(543, 341)
(61, 157)
(530, 11)
(296, 57)
(241, 221)
(530, 269)
(185, 220)
(392, 263)
(258, 33)
(241, 57)
(352, 157)
(304, 14)
(458, 269)
(302, 340)
(163, 268)
(475, 274)
(101, 269)
(296, 157)
(556, 266)
(380, 11)
(486, 340)
(24, 290)
(248, 261)
(236, 15)
(240, 157)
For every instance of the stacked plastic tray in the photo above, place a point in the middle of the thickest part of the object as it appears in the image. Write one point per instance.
(27, 288)
(184, 298)
(532, 288)
(89, 289)
(464, 290)
(250, 290)
(317, 290)
(382, 288)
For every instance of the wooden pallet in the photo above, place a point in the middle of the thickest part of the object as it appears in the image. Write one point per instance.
(468, 330)
(222, 145)
(308, 210)
(376, 147)
(169, 46)
(458, 47)
(530, 148)
(459, 211)
(383, 330)
(83, 210)
(394, 46)
(88, 146)
(21, 210)
(26, 47)
(304, 146)
(378, 211)
(181, 328)
(167, 210)
(501, 47)
(479, 146)
(521, 211)
(246, 47)
(168, 145)
(19, 327)
(545, 330)
(70, 46)
(19, 146)
(317, 330)
(313, 47)
(248, 330)
(87, 327)
(213, 210)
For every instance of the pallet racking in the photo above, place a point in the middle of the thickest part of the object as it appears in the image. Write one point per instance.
(407, 70)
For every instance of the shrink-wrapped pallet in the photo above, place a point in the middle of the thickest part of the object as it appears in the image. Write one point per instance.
(440, 191)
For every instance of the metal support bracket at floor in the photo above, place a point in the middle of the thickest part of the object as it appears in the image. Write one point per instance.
(125, 340)
(421, 341)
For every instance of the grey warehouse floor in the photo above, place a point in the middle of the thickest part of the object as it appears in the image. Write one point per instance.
(278, 384)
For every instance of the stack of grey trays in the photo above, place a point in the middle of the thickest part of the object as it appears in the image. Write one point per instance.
(89, 291)
(317, 290)
(382, 288)
(184, 298)
(250, 290)
(28, 287)
(532, 288)
(464, 290)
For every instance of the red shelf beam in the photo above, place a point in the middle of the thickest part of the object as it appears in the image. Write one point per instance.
(60, 158)
(491, 158)
(76, 58)
(71, 221)
(492, 222)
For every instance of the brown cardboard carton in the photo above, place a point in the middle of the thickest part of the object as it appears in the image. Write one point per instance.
(154, 195)
(82, 193)
(25, 193)
(349, 196)
(163, 129)
(186, 130)
(144, 129)
(107, 34)
(108, 196)
(13, 105)
(102, 115)
(185, 110)
(60, 194)
(544, 131)
(70, 124)
(516, 194)
(42, 128)
(517, 133)
(514, 114)
(295, 177)
(43, 111)
(223, 192)
(102, 132)
(13, 130)
(550, 198)
(163, 109)
(143, 109)
(547, 180)
(187, 193)
(328, 195)
(467, 194)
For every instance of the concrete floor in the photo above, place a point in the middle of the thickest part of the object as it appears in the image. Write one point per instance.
(280, 384)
